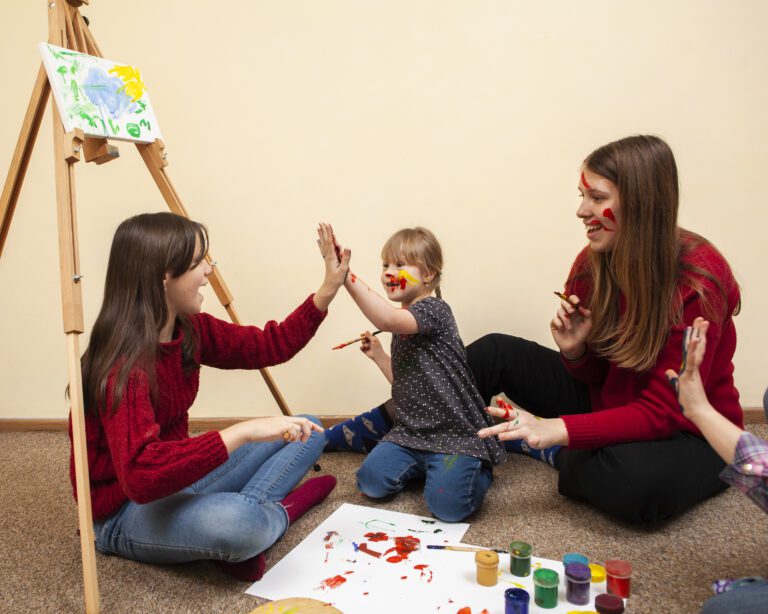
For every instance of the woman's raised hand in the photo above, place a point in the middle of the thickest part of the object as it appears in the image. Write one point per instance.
(336, 266)
(570, 328)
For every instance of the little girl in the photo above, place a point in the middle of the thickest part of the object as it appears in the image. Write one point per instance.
(159, 495)
(438, 409)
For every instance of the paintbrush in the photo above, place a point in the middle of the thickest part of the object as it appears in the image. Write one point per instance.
(355, 340)
(464, 549)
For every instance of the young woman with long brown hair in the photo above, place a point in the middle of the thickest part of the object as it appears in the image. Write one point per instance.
(601, 410)
(159, 495)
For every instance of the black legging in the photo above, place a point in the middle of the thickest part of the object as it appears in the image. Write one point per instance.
(643, 482)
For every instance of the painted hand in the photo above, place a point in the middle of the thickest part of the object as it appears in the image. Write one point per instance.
(570, 327)
(371, 346)
(520, 424)
(687, 383)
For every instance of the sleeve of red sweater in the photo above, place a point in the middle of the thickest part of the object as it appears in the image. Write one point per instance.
(231, 346)
(147, 467)
(655, 413)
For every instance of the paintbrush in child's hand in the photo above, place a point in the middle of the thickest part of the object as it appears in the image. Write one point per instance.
(355, 340)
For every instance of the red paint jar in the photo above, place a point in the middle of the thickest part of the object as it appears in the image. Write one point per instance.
(618, 577)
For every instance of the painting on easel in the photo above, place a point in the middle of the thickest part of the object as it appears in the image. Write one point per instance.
(103, 98)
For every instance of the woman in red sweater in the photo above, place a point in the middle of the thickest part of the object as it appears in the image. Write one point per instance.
(159, 495)
(601, 410)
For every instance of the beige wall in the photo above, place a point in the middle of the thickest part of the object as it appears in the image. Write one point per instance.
(470, 117)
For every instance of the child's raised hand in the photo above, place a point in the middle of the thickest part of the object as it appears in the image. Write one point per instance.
(336, 265)
(687, 383)
(371, 346)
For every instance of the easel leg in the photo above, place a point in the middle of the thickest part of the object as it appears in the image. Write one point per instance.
(72, 306)
(23, 152)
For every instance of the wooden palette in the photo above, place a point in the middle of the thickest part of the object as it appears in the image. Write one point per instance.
(296, 605)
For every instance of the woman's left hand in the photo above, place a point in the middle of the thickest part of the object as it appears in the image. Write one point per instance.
(519, 424)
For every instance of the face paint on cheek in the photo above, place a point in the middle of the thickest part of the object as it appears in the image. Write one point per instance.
(607, 213)
(584, 182)
(406, 277)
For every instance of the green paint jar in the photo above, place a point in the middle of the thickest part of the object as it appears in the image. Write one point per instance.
(520, 559)
(545, 582)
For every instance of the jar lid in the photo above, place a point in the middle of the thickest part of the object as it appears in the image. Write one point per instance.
(517, 595)
(487, 557)
(574, 557)
(609, 604)
(546, 578)
(579, 572)
(618, 568)
(521, 550)
(598, 572)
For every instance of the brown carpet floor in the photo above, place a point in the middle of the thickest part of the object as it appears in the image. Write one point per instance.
(40, 556)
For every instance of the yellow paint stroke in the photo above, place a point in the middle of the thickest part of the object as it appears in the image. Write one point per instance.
(401, 274)
(517, 584)
(132, 83)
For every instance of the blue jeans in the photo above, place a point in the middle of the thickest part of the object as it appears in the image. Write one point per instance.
(454, 487)
(748, 596)
(231, 514)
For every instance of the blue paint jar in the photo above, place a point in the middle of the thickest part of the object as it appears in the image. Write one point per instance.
(575, 557)
(516, 601)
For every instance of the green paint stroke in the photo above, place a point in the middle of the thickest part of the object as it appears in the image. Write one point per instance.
(75, 67)
(146, 124)
(113, 126)
(450, 460)
(89, 119)
(75, 92)
(62, 70)
(133, 130)
(142, 106)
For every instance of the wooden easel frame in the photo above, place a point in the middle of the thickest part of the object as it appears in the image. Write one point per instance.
(67, 28)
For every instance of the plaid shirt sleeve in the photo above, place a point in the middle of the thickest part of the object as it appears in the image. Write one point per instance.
(749, 471)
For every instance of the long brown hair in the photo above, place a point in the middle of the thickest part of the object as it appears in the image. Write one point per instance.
(126, 332)
(646, 263)
(417, 246)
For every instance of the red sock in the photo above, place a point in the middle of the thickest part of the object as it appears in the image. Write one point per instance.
(306, 496)
(249, 570)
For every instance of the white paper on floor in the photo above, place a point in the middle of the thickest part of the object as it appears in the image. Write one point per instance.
(337, 563)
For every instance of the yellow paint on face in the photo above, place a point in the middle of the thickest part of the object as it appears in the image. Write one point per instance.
(133, 85)
(401, 274)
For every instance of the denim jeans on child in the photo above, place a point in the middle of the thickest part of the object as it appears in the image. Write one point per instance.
(454, 487)
(231, 514)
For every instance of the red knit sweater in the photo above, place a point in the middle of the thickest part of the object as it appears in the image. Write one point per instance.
(628, 406)
(144, 452)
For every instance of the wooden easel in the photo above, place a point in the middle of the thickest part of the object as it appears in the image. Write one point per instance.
(67, 28)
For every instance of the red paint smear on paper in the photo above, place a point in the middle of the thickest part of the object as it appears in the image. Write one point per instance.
(584, 181)
(423, 569)
(403, 577)
(329, 535)
(334, 582)
(377, 537)
(466, 610)
(365, 593)
(367, 550)
(403, 546)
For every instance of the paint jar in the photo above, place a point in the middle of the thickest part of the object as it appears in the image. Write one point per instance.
(598, 573)
(487, 567)
(516, 601)
(545, 582)
(574, 557)
(577, 577)
(618, 577)
(609, 604)
(520, 559)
